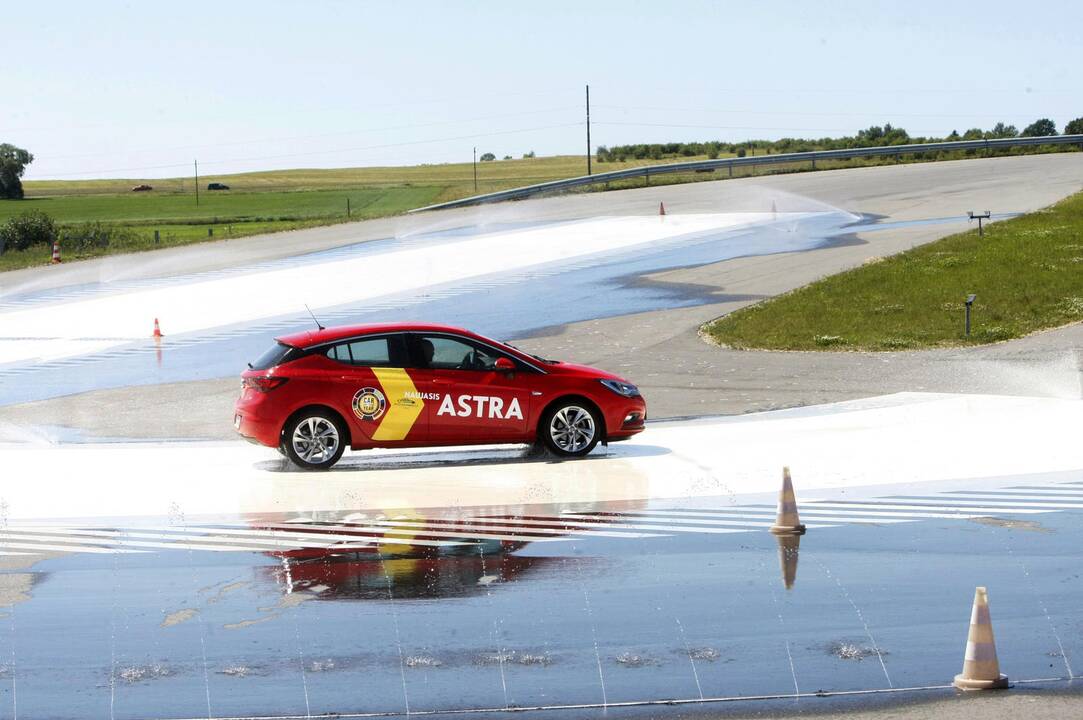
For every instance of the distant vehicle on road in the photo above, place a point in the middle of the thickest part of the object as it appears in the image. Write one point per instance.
(142, 188)
(217, 186)
(418, 385)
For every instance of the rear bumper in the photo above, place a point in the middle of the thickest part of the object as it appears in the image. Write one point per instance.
(253, 422)
(255, 430)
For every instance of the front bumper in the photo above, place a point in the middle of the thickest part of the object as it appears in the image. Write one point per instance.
(628, 420)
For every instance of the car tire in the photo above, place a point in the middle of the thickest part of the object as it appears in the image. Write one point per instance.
(571, 428)
(314, 439)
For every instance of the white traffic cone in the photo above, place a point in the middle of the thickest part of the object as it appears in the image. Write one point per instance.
(981, 671)
(787, 522)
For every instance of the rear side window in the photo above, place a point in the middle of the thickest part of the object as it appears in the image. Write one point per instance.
(369, 352)
(277, 355)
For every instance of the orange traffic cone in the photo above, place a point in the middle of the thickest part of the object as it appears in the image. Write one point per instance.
(56, 252)
(661, 208)
(157, 329)
(981, 671)
(787, 522)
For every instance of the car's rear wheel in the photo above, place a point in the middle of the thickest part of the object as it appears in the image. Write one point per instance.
(571, 429)
(314, 439)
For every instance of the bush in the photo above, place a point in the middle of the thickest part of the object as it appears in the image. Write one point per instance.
(88, 236)
(28, 229)
(1040, 128)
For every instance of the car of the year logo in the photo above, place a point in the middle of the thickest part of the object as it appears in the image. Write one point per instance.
(369, 386)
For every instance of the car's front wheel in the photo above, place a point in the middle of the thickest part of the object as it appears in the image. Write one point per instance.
(571, 429)
(314, 439)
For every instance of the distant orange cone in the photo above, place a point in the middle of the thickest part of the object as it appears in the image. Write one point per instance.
(787, 522)
(661, 208)
(157, 329)
(981, 671)
(56, 252)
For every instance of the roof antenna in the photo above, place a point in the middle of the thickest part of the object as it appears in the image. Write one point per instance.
(321, 327)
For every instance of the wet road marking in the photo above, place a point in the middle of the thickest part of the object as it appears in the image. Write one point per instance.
(424, 532)
(767, 515)
(516, 532)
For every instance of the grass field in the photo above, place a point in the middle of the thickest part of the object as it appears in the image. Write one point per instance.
(264, 202)
(1027, 273)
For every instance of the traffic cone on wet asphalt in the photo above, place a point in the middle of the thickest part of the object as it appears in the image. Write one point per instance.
(787, 522)
(661, 208)
(157, 330)
(981, 671)
(56, 252)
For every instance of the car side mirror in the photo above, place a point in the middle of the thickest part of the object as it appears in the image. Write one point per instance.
(504, 365)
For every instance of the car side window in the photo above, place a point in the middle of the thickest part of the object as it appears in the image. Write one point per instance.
(440, 352)
(368, 352)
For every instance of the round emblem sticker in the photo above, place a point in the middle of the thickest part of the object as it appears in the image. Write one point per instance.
(369, 403)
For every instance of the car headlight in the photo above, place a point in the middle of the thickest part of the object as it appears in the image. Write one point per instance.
(621, 388)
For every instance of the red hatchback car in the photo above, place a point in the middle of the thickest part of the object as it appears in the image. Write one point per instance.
(415, 385)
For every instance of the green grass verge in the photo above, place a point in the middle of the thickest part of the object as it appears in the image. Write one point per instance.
(1027, 273)
(219, 215)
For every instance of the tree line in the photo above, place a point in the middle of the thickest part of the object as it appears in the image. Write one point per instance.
(875, 136)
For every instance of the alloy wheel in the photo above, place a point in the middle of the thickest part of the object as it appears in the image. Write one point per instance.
(315, 440)
(572, 429)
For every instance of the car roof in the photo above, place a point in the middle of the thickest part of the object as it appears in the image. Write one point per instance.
(309, 338)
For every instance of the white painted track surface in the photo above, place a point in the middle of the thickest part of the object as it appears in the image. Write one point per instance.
(65, 329)
(848, 450)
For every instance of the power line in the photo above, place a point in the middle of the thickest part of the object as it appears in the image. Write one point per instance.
(321, 135)
(883, 113)
(326, 152)
(723, 127)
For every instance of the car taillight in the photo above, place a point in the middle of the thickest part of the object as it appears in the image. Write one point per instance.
(263, 384)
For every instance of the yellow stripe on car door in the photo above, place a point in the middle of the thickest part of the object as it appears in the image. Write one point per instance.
(402, 411)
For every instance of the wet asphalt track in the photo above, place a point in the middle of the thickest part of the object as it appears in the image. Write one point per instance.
(201, 581)
(592, 620)
(487, 580)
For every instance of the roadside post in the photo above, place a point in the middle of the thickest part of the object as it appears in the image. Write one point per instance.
(979, 217)
(969, 302)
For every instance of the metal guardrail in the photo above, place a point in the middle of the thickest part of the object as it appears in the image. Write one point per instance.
(812, 156)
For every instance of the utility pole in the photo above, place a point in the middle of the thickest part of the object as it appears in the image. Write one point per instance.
(196, 163)
(475, 170)
(588, 130)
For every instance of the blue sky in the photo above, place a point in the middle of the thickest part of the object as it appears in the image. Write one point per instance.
(111, 89)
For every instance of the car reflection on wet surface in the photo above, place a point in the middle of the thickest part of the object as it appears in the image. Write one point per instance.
(404, 578)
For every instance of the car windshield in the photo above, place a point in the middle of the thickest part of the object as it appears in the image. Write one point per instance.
(539, 358)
